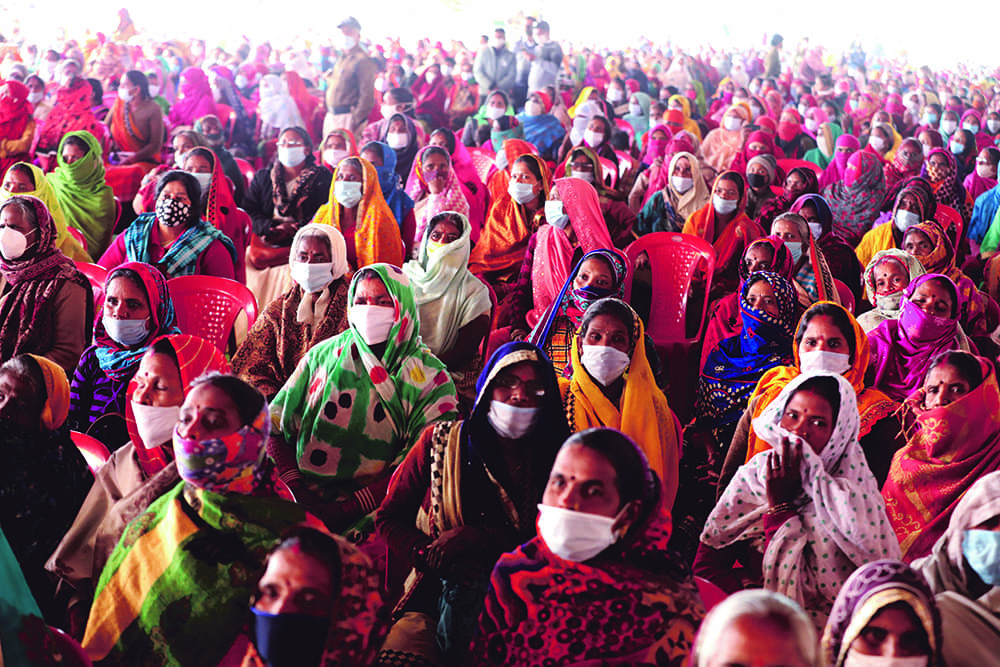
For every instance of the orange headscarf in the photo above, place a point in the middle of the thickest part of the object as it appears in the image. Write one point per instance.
(56, 407)
(873, 405)
(505, 235)
(376, 236)
(499, 180)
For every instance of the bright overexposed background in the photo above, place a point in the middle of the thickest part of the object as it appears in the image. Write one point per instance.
(721, 23)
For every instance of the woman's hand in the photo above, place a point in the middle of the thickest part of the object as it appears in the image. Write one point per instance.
(783, 481)
(452, 555)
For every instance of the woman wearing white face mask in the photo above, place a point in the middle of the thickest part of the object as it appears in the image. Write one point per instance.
(337, 442)
(803, 515)
(137, 309)
(723, 143)
(155, 395)
(357, 208)
(282, 197)
(575, 228)
(884, 616)
(136, 123)
(612, 385)
(217, 202)
(455, 306)
(603, 535)
(886, 277)
(683, 193)
(451, 527)
(513, 217)
(313, 309)
(48, 305)
(584, 164)
(541, 127)
(276, 108)
(336, 147)
(430, 95)
(827, 339)
(723, 223)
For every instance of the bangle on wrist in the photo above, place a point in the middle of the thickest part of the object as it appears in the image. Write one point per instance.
(781, 507)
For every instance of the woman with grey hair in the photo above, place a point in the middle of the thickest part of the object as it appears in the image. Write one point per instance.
(313, 309)
(756, 626)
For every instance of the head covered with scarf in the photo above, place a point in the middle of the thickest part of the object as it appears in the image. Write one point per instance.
(194, 357)
(820, 533)
(870, 589)
(734, 366)
(116, 359)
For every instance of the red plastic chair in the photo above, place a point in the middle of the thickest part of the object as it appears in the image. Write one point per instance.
(493, 317)
(118, 212)
(711, 594)
(93, 450)
(78, 235)
(246, 169)
(208, 306)
(845, 295)
(68, 651)
(677, 261)
(97, 275)
(787, 164)
(948, 218)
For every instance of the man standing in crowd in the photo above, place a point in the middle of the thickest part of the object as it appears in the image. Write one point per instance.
(496, 67)
(548, 59)
(350, 93)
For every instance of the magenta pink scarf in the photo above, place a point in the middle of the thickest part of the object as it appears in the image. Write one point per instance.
(901, 350)
(554, 251)
(196, 100)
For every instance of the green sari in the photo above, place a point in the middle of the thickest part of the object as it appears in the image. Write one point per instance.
(352, 417)
(177, 588)
(86, 199)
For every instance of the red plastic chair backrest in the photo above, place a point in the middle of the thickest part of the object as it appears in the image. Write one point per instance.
(948, 217)
(70, 653)
(845, 295)
(118, 212)
(711, 594)
(675, 260)
(97, 275)
(246, 169)
(787, 164)
(207, 306)
(93, 450)
(78, 235)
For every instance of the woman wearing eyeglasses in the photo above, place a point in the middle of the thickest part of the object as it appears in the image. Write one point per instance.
(466, 493)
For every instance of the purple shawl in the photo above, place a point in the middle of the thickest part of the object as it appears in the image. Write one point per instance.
(901, 350)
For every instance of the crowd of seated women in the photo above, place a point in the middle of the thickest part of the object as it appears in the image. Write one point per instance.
(454, 434)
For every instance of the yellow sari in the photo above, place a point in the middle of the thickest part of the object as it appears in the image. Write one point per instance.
(643, 413)
(66, 243)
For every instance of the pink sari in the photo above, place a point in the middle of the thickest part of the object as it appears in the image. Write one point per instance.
(553, 260)
(452, 198)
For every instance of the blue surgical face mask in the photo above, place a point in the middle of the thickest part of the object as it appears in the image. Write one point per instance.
(956, 147)
(981, 549)
(794, 247)
(126, 332)
(289, 639)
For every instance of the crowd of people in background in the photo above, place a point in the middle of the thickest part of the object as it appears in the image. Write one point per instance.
(456, 434)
